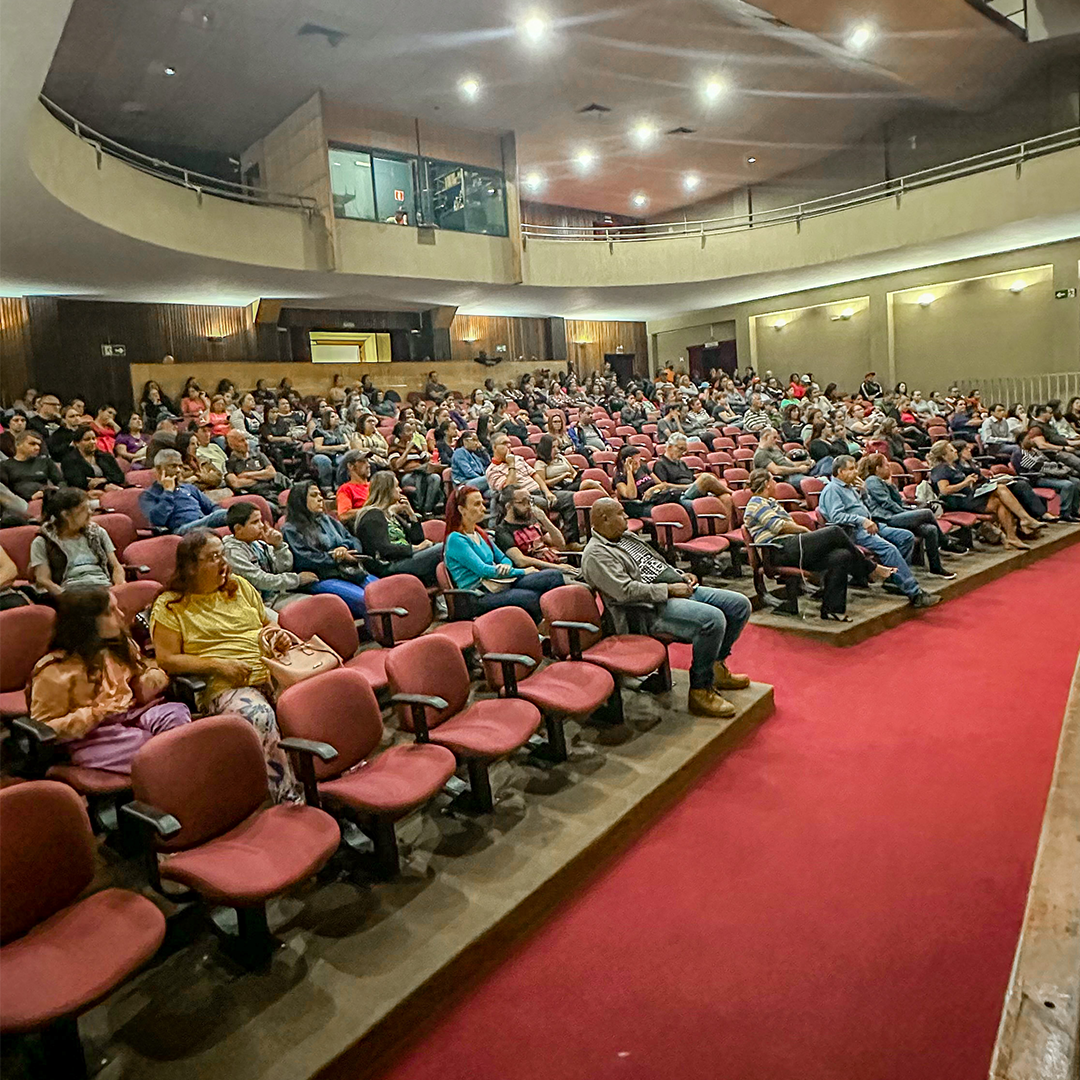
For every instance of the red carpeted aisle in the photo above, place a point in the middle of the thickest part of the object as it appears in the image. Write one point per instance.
(839, 899)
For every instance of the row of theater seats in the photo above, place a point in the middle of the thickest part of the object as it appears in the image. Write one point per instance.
(199, 792)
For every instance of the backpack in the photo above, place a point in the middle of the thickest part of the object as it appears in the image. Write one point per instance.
(926, 498)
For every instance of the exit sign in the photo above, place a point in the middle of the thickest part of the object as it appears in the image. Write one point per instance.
(114, 350)
(399, 194)
(1064, 294)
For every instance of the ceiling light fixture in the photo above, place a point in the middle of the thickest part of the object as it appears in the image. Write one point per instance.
(860, 37)
(535, 28)
(751, 160)
(170, 71)
(713, 89)
(691, 181)
(640, 200)
(644, 133)
(926, 299)
(779, 324)
(470, 87)
(534, 181)
(1018, 286)
(585, 159)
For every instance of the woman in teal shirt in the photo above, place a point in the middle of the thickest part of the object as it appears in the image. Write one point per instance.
(475, 561)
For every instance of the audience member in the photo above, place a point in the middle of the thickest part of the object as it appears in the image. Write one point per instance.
(673, 474)
(70, 550)
(249, 471)
(526, 534)
(94, 689)
(626, 570)
(30, 473)
(390, 533)
(174, 506)
(257, 552)
(209, 623)
(85, 466)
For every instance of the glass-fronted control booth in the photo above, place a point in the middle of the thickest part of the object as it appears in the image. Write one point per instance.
(378, 185)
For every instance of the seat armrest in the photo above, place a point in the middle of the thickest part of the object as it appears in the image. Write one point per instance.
(699, 514)
(456, 597)
(303, 752)
(186, 690)
(41, 741)
(417, 703)
(151, 819)
(40, 733)
(131, 573)
(574, 630)
(509, 662)
(570, 555)
(387, 617)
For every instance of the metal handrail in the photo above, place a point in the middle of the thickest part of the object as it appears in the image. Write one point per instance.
(200, 183)
(796, 213)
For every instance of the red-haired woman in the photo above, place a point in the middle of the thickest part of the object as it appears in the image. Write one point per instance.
(475, 562)
(208, 623)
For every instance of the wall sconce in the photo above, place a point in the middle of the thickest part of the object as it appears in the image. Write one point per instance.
(846, 314)
(470, 340)
(1018, 286)
(780, 324)
(926, 299)
(583, 341)
(216, 338)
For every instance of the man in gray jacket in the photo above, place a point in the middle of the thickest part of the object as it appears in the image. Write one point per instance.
(256, 551)
(627, 570)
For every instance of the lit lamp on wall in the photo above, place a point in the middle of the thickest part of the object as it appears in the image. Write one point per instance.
(1018, 286)
(780, 324)
(926, 299)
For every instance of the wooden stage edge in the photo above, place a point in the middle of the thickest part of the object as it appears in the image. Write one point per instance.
(900, 611)
(398, 1031)
(1039, 1034)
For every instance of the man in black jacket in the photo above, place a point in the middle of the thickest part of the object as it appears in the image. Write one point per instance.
(29, 474)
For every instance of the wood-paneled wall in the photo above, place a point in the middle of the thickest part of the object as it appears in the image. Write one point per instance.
(588, 340)
(522, 337)
(538, 213)
(14, 348)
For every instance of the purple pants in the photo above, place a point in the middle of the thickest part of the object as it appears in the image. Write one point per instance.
(112, 744)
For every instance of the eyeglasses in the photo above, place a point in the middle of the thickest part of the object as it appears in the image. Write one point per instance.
(211, 556)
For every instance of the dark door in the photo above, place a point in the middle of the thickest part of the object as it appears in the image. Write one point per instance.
(623, 366)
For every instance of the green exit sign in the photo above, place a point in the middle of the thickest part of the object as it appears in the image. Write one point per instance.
(1064, 294)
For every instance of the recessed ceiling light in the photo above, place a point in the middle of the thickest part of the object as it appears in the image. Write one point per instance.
(585, 158)
(751, 160)
(170, 71)
(691, 181)
(534, 181)
(780, 324)
(713, 89)
(535, 28)
(640, 200)
(470, 87)
(926, 299)
(1018, 286)
(644, 133)
(860, 37)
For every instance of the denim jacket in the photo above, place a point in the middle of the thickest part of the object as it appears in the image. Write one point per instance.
(840, 504)
(882, 499)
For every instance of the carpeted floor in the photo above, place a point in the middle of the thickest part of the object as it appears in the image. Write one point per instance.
(839, 899)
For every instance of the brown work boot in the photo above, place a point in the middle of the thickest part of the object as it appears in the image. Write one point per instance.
(728, 680)
(705, 702)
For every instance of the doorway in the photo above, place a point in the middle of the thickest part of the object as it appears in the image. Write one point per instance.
(723, 356)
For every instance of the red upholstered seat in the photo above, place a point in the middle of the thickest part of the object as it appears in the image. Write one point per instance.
(121, 530)
(60, 955)
(571, 687)
(371, 663)
(627, 654)
(25, 634)
(339, 708)
(158, 553)
(13, 702)
(406, 593)
(259, 858)
(395, 782)
(490, 728)
(72, 960)
(16, 542)
(136, 596)
(460, 633)
(90, 781)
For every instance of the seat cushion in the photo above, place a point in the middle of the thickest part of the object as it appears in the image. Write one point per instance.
(627, 654)
(460, 633)
(76, 957)
(13, 703)
(261, 857)
(90, 781)
(371, 663)
(569, 686)
(394, 782)
(489, 729)
(703, 545)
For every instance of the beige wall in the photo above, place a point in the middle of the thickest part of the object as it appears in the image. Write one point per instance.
(672, 345)
(976, 329)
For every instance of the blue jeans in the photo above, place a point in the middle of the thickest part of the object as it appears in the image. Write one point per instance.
(349, 591)
(712, 622)
(214, 520)
(324, 466)
(891, 547)
(524, 594)
(1068, 492)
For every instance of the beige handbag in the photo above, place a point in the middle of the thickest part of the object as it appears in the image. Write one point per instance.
(300, 661)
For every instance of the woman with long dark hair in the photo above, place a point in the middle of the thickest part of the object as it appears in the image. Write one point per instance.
(208, 622)
(475, 562)
(391, 533)
(71, 550)
(95, 690)
(324, 546)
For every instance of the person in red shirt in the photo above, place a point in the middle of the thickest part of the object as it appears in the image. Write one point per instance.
(354, 492)
(796, 387)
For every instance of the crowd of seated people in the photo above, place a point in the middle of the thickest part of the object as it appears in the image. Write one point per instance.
(275, 497)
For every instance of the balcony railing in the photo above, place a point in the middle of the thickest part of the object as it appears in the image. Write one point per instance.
(200, 183)
(799, 212)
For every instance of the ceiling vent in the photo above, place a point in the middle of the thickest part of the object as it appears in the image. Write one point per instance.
(594, 109)
(334, 37)
(682, 131)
